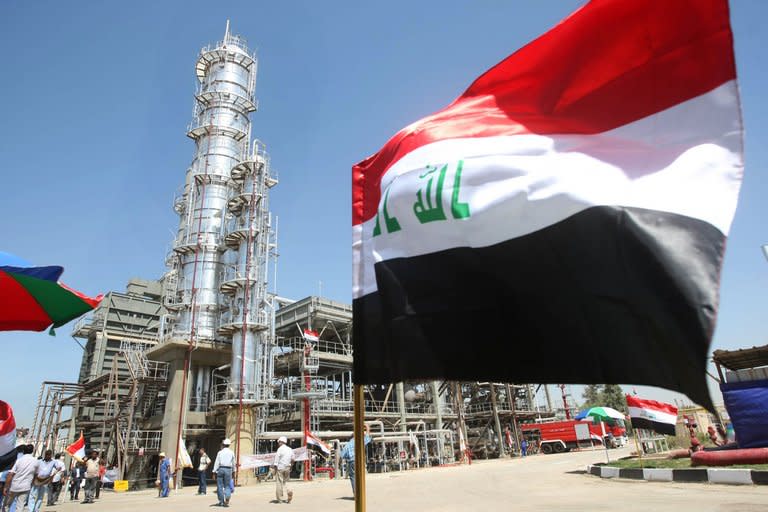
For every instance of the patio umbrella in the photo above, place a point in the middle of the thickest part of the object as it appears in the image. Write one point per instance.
(601, 413)
(32, 299)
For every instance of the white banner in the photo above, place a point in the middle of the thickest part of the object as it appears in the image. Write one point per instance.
(268, 459)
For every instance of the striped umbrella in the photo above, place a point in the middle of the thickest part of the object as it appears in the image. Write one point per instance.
(601, 413)
(33, 299)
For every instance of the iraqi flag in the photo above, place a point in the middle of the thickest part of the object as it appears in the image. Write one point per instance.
(564, 219)
(315, 442)
(310, 335)
(7, 436)
(77, 449)
(652, 415)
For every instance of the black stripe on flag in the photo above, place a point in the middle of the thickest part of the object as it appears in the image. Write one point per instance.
(7, 460)
(656, 426)
(609, 295)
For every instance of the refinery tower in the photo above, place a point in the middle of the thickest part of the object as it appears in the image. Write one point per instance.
(218, 335)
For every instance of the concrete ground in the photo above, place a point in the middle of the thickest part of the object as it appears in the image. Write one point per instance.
(538, 483)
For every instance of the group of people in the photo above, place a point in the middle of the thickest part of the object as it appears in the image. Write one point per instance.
(224, 464)
(510, 446)
(31, 480)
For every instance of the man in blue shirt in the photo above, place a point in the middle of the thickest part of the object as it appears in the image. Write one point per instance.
(222, 468)
(165, 475)
(348, 455)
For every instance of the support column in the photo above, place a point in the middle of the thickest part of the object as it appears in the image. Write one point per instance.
(401, 406)
(549, 399)
(499, 433)
(247, 428)
(173, 407)
(512, 397)
(439, 420)
(438, 404)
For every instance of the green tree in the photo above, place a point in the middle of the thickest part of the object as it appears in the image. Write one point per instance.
(591, 396)
(613, 396)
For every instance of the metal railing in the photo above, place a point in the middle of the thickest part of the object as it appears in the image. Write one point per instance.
(147, 439)
(288, 345)
(225, 392)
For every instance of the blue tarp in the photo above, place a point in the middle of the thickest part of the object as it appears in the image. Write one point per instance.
(747, 405)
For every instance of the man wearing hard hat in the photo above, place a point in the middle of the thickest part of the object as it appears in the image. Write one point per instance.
(164, 475)
(283, 461)
(222, 468)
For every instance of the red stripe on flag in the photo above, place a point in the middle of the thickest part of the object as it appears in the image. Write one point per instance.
(641, 403)
(7, 421)
(608, 64)
(77, 445)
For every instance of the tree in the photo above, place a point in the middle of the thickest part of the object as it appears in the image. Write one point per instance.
(613, 396)
(591, 395)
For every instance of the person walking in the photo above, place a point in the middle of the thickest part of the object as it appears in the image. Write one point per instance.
(91, 476)
(348, 455)
(202, 467)
(222, 468)
(164, 475)
(283, 462)
(18, 482)
(76, 478)
(100, 481)
(46, 470)
(59, 480)
(523, 447)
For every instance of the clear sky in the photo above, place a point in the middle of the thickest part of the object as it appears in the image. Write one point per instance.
(96, 97)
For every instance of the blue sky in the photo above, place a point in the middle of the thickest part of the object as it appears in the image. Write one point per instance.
(97, 97)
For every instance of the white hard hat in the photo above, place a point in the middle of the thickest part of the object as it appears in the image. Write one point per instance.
(226, 442)
(162, 454)
(282, 439)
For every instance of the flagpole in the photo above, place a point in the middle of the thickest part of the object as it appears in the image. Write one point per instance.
(636, 433)
(359, 448)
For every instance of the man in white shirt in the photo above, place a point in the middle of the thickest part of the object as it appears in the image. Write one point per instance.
(222, 468)
(58, 480)
(46, 470)
(283, 461)
(19, 480)
(202, 477)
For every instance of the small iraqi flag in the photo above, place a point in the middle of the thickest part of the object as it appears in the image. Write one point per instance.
(311, 335)
(567, 213)
(77, 449)
(7, 436)
(652, 415)
(315, 442)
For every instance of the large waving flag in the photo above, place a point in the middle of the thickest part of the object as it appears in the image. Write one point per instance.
(652, 415)
(7, 436)
(77, 449)
(566, 214)
(33, 299)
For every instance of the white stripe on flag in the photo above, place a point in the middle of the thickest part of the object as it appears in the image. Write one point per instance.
(7, 442)
(675, 161)
(652, 415)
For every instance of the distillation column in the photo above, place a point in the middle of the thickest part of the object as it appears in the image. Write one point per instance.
(247, 316)
(203, 256)
(220, 129)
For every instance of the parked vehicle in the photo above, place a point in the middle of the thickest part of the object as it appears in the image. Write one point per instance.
(561, 436)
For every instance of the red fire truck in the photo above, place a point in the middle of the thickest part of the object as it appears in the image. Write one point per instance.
(561, 436)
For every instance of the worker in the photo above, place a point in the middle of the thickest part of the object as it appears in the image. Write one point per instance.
(283, 462)
(164, 473)
(348, 455)
(222, 468)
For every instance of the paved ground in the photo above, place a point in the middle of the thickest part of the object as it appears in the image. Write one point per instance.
(539, 483)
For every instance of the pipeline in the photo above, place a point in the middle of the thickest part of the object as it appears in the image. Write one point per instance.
(730, 457)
